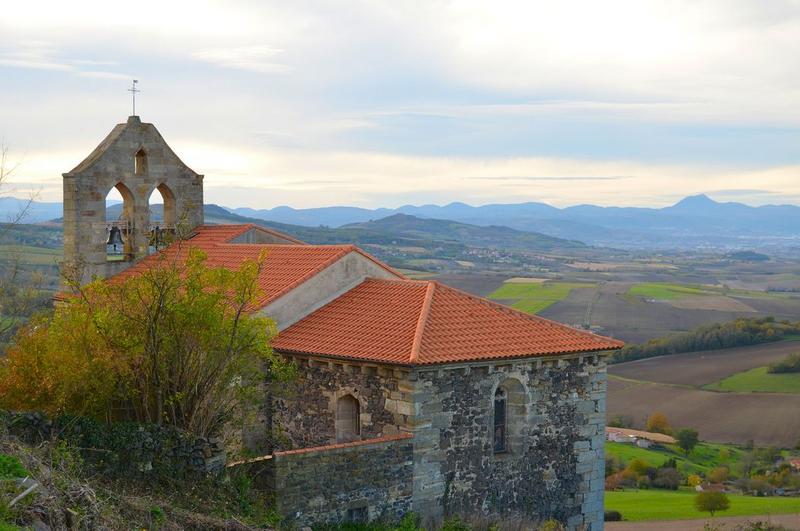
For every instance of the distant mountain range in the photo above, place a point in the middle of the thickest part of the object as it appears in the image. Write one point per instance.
(695, 222)
(405, 230)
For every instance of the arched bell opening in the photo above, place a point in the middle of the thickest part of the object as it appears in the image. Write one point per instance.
(161, 205)
(118, 219)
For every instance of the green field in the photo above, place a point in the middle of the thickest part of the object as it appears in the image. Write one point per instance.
(758, 380)
(642, 505)
(30, 255)
(534, 297)
(665, 290)
(703, 458)
(669, 290)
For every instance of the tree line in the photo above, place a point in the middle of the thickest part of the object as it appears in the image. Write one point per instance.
(737, 333)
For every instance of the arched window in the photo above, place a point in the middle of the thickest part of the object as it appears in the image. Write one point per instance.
(140, 162)
(348, 423)
(500, 420)
(509, 417)
(118, 221)
(161, 206)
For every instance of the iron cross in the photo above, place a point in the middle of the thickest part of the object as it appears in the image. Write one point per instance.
(133, 90)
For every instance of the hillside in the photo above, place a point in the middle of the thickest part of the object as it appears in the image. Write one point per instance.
(399, 230)
(492, 236)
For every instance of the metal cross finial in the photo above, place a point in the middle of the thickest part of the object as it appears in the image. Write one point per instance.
(133, 90)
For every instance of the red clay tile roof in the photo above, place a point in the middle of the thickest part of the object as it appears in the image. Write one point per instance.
(423, 322)
(224, 233)
(285, 266)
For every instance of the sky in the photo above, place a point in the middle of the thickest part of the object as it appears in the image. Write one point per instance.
(366, 103)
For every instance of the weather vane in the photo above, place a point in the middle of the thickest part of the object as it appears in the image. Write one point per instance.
(133, 90)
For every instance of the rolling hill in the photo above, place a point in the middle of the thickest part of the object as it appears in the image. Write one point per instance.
(398, 230)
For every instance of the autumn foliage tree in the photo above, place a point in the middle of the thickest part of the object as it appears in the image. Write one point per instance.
(173, 345)
(658, 423)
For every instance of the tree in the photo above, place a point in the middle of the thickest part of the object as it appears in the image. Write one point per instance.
(639, 467)
(687, 439)
(668, 478)
(711, 502)
(658, 423)
(693, 480)
(20, 293)
(719, 474)
(173, 345)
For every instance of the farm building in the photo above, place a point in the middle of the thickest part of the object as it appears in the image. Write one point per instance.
(412, 396)
(642, 439)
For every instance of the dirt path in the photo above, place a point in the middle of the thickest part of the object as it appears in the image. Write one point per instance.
(789, 521)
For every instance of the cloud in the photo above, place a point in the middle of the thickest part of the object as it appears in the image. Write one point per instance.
(45, 56)
(104, 75)
(564, 178)
(259, 59)
(308, 102)
(743, 192)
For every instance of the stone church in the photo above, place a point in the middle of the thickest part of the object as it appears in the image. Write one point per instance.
(412, 395)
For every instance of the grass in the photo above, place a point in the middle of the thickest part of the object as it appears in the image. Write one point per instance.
(758, 380)
(669, 290)
(30, 255)
(643, 505)
(704, 457)
(665, 290)
(534, 297)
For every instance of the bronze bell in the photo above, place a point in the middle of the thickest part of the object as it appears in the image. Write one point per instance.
(155, 237)
(115, 237)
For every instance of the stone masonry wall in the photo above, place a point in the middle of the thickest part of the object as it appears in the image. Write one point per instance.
(554, 466)
(304, 416)
(123, 448)
(357, 481)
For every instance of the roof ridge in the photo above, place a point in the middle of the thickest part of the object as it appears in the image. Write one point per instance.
(423, 319)
(380, 263)
(533, 317)
(332, 259)
(401, 280)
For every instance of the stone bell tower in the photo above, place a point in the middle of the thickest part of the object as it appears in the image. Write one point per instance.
(135, 160)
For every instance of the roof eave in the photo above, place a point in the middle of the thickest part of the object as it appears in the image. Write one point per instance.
(604, 351)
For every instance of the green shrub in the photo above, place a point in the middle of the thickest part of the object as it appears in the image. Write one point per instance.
(157, 516)
(790, 364)
(11, 467)
(455, 524)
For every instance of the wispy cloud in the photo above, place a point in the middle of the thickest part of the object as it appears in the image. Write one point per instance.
(261, 59)
(565, 178)
(44, 56)
(313, 103)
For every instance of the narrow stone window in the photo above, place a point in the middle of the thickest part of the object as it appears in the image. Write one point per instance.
(500, 421)
(140, 162)
(348, 424)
